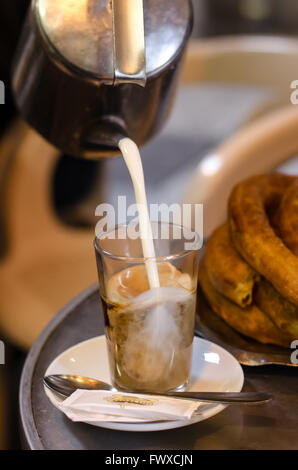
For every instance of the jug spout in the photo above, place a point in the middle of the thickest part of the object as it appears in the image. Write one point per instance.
(104, 134)
(129, 42)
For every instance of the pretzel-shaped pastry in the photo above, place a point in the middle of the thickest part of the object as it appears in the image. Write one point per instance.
(227, 271)
(232, 277)
(250, 321)
(227, 279)
(288, 218)
(254, 237)
(283, 313)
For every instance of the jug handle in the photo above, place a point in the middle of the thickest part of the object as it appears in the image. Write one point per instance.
(129, 42)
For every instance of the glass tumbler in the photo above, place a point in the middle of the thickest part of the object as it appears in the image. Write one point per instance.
(149, 332)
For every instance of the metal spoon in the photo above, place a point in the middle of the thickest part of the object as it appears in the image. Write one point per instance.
(67, 384)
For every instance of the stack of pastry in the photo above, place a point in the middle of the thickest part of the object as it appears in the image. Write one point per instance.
(249, 273)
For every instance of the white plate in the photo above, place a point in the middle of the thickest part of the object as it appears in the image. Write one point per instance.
(213, 370)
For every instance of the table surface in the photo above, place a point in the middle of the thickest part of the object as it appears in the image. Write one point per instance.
(271, 426)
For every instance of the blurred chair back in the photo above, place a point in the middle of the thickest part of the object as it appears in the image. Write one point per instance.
(267, 141)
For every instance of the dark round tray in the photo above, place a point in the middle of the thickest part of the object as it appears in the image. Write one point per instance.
(271, 426)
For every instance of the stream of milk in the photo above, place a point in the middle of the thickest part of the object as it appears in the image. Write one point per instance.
(133, 161)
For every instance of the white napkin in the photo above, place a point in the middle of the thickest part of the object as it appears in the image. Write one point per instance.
(101, 406)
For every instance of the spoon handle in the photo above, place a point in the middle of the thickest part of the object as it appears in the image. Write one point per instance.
(66, 385)
(229, 398)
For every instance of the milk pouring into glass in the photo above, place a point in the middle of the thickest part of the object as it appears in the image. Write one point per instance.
(149, 307)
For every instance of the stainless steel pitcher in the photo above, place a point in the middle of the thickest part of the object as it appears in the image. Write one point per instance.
(90, 71)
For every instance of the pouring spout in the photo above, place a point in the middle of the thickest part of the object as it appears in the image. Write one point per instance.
(103, 136)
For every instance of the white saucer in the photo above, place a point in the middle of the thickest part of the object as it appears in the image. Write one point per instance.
(213, 370)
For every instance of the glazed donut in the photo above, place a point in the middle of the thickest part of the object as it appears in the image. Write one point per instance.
(254, 237)
(282, 312)
(288, 218)
(249, 321)
(228, 272)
